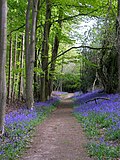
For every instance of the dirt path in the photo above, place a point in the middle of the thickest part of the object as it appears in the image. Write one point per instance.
(59, 137)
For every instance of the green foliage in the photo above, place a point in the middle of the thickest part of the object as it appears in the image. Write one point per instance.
(101, 151)
(67, 12)
(95, 126)
(16, 14)
(18, 70)
(87, 78)
(113, 135)
(108, 70)
(38, 70)
(71, 82)
(89, 125)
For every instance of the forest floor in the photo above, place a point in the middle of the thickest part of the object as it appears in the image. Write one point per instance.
(59, 137)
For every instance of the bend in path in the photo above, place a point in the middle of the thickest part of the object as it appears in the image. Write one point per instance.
(60, 137)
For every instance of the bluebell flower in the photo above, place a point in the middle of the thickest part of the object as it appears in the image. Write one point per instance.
(110, 108)
(17, 127)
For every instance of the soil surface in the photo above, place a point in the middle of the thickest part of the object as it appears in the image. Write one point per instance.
(59, 137)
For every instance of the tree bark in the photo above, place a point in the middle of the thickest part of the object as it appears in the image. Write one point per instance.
(118, 44)
(10, 72)
(14, 73)
(55, 53)
(37, 51)
(44, 55)
(21, 80)
(30, 51)
(61, 80)
(3, 41)
(52, 67)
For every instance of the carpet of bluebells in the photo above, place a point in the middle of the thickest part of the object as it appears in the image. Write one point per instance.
(101, 121)
(19, 127)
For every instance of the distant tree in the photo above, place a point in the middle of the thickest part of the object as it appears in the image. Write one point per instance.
(55, 52)
(3, 43)
(108, 70)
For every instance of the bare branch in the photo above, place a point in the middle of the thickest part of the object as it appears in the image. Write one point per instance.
(89, 47)
(96, 98)
(16, 29)
(81, 14)
(71, 17)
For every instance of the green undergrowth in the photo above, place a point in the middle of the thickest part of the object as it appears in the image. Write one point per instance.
(103, 144)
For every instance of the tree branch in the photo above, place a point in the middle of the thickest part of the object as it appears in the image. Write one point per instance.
(80, 14)
(96, 98)
(89, 47)
(77, 15)
(16, 29)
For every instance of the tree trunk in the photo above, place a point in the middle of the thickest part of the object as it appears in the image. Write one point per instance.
(52, 67)
(37, 51)
(27, 36)
(14, 73)
(118, 44)
(21, 80)
(54, 53)
(44, 55)
(30, 51)
(61, 80)
(3, 41)
(10, 72)
(35, 77)
(94, 83)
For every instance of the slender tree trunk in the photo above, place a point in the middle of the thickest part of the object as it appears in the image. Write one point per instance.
(14, 73)
(118, 44)
(54, 53)
(30, 51)
(10, 72)
(35, 77)
(44, 56)
(36, 96)
(81, 68)
(3, 43)
(61, 80)
(27, 37)
(21, 80)
(94, 83)
(52, 67)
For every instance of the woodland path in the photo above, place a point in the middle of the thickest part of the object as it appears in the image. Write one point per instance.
(59, 137)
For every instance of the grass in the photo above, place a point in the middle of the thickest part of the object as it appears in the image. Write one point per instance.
(103, 144)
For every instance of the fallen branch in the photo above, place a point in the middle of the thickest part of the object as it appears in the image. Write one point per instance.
(96, 98)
